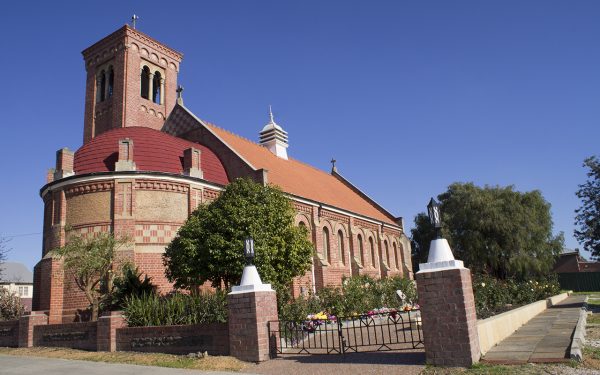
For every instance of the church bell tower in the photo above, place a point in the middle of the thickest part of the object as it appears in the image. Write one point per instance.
(131, 81)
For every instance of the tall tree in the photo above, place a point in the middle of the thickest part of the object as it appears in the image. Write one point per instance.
(89, 261)
(495, 230)
(588, 215)
(209, 246)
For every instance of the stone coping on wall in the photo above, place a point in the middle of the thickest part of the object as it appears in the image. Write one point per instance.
(498, 327)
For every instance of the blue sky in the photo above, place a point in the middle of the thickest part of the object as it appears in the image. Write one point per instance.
(407, 96)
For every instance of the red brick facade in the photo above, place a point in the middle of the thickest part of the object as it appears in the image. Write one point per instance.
(126, 52)
(147, 163)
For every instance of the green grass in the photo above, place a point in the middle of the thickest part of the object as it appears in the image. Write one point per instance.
(485, 369)
(211, 363)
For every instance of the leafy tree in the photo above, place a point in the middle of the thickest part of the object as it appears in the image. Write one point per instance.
(494, 230)
(209, 246)
(89, 261)
(588, 215)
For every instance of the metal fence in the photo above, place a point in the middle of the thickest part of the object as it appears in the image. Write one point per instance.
(364, 333)
(580, 281)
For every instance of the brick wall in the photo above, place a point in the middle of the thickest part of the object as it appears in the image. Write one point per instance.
(9, 333)
(151, 212)
(73, 335)
(183, 339)
(152, 265)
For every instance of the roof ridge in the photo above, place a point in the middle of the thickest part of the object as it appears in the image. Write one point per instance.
(269, 152)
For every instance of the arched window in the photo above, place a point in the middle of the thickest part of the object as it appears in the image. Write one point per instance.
(361, 250)
(326, 244)
(341, 253)
(396, 255)
(387, 252)
(156, 87)
(145, 82)
(111, 81)
(102, 85)
(372, 250)
(303, 225)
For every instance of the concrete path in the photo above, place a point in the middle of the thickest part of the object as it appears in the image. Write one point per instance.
(545, 338)
(21, 365)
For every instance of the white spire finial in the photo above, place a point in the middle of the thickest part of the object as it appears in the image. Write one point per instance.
(271, 114)
(134, 18)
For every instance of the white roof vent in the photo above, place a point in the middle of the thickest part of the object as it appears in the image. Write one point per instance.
(273, 137)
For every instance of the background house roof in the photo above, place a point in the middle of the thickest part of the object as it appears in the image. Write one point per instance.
(13, 272)
(153, 150)
(301, 179)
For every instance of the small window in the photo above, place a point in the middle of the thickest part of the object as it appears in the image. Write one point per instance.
(361, 250)
(326, 244)
(111, 82)
(156, 92)
(372, 250)
(145, 82)
(387, 253)
(396, 255)
(102, 86)
(341, 252)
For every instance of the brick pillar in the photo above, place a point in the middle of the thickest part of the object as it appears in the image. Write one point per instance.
(64, 163)
(448, 316)
(249, 314)
(106, 337)
(26, 326)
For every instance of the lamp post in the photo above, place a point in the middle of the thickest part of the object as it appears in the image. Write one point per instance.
(249, 250)
(440, 254)
(250, 278)
(435, 217)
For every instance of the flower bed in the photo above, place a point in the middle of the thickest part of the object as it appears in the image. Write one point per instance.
(357, 295)
(493, 296)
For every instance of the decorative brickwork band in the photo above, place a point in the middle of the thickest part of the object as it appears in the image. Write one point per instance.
(249, 314)
(107, 330)
(448, 316)
(26, 324)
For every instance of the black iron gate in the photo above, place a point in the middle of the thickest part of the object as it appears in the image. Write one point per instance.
(364, 333)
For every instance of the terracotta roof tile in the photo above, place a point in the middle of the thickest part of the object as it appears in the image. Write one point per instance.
(153, 151)
(301, 179)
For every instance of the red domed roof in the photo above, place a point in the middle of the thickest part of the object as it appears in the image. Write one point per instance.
(153, 151)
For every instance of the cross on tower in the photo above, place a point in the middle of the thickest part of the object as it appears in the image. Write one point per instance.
(333, 168)
(133, 19)
(179, 95)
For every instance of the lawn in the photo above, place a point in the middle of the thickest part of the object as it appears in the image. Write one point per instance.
(216, 363)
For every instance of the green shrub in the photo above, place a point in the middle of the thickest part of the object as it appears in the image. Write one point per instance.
(493, 296)
(11, 307)
(357, 295)
(176, 309)
(126, 285)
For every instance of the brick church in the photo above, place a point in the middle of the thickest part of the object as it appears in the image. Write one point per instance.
(147, 162)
